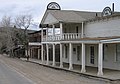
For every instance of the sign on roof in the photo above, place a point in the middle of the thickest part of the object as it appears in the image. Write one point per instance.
(106, 11)
(53, 6)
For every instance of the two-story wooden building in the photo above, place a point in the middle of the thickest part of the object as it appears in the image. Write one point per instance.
(35, 44)
(85, 39)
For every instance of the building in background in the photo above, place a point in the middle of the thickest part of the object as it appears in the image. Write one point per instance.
(35, 44)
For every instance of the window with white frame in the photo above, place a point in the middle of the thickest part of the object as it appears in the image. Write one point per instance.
(92, 51)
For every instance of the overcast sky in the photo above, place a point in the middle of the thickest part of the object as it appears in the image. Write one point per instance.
(37, 7)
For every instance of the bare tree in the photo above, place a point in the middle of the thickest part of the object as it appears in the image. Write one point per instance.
(7, 33)
(6, 21)
(10, 36)
(24, 21)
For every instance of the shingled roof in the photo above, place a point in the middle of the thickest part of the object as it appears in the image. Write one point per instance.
(71, 16)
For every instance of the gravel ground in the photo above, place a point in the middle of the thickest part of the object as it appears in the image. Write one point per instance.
(44, 75)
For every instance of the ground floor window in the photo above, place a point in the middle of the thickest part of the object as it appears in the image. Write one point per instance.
(105, 46)
(92, 54)
(78, 52)
(118, 52)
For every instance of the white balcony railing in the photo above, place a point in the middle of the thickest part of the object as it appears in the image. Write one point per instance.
(34, 43)
(65, 36)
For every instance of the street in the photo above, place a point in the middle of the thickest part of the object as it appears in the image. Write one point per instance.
(16, 71)
(10, 76)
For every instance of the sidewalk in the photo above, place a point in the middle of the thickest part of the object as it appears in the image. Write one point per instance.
(110, 75)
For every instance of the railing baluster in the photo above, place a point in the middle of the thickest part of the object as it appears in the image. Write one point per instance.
(65, 36)
(71, 36)
(76, 35)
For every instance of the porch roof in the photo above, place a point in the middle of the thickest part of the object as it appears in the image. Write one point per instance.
(114, 39)
(101, 38)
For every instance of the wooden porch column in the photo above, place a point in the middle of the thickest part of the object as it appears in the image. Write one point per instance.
(70, 56)
(42, 53)
(41, 34)
(82, 31)
(61, 30)
(61, 53)
(38, 53)
(47, 48)
(83, 70)
(47, 34)
(53, 55)
(30, 52)
(100, 60)
(53, 31)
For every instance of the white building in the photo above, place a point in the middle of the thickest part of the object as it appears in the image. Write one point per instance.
(85, 39)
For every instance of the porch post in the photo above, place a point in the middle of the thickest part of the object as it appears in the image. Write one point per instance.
(41, 34)
(82, 31)
(26, 53)
(47, 48)
(42, 53)
(70, 56)
(30, 52)
(53, 54)
(83, 70)
(100, 60)
(53, 32)
(33, 53)
(61, 60)
(61, 30)
(46, 34)
(38, 53)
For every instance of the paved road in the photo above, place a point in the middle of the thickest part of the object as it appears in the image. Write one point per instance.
(10, 76)
(39, 74)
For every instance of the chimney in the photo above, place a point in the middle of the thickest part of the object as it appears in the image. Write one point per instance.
(96, 15)
(112, 7)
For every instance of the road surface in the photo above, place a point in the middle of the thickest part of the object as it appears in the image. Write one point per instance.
(10, 76)
(37, 73)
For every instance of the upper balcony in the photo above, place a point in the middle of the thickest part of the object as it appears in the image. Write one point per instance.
(64, 37)
(67, 32)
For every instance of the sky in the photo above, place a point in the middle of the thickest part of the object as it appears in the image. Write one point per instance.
(37, 8)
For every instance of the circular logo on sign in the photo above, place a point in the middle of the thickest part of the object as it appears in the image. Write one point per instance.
(106, 11)
(53, 6)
